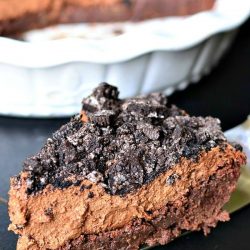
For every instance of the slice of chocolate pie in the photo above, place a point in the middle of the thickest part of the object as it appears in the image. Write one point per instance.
(123, 174)
(17, 16)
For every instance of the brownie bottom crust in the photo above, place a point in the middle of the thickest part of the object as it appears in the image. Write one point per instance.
(199, 209)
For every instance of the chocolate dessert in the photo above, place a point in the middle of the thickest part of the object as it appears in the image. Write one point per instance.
(17, 16)
(124, 174)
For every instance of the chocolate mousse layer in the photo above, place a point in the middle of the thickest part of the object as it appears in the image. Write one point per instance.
(122, 174)
(18, 16)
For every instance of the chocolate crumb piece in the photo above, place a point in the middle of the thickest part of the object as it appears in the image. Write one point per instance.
(125, 176)
(103, 97)
(95, 176)
(19, 227)
(149, 212)
(83, 187)
(151, 132)
(237, 146)
(49, 212)
(123, 144)
(88, 186)
(77, 183)
(102, 118)
(171, 179)
(91, 195)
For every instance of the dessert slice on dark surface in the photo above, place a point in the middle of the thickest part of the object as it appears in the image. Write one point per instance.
(17, 16)
(123, 174)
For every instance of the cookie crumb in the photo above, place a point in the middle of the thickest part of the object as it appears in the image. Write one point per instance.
(172, 179)
(49, 212)
(91, 195)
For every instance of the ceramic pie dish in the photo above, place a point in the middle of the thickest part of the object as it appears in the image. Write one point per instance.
(47, 77)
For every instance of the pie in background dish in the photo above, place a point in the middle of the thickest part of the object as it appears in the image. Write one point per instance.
(18, 16)
(124, 174)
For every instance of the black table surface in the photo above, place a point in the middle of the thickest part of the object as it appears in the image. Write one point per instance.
(225, 93)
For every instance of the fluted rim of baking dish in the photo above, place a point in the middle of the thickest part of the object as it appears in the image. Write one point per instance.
(167, 34)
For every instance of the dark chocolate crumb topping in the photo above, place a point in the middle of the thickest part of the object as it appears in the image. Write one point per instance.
(171, 179)
(49, 212)
(91, 195)
(123, 145)
(237, 146)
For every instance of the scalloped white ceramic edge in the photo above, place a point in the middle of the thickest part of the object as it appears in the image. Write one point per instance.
(161, 34)
(57, 91)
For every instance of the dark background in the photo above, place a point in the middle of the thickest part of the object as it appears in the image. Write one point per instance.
(225, 94)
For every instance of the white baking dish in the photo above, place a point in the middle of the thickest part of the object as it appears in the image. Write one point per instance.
(48, 78)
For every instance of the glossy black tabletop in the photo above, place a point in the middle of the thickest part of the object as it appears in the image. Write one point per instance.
(225, 93)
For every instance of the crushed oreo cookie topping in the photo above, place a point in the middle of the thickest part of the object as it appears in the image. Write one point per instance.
(122, 145)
